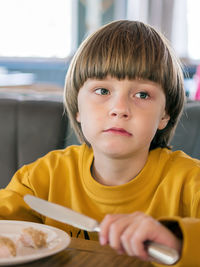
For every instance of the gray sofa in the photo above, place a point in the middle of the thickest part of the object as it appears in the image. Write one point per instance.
(187, 134)
(31, 127)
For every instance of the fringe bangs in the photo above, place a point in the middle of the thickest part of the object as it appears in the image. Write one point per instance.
(122, 54)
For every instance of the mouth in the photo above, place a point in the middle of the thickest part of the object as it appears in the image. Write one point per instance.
(117, 131)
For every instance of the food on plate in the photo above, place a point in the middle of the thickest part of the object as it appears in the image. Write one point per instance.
(7, 247)
(31, 237)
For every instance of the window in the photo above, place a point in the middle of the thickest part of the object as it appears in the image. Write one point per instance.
(193, 7)
(36, 28)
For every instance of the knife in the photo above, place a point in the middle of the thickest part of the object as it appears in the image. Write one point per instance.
(159, 252)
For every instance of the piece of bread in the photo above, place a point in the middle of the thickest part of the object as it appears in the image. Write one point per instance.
(31, 237)
(7, 247)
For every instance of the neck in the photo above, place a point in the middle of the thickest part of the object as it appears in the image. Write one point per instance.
(109, 171)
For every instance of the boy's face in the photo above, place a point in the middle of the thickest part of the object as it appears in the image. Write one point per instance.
(119, 118)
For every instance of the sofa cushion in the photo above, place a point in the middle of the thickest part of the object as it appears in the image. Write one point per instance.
(187, 134)
(8, 136)
(29, 130)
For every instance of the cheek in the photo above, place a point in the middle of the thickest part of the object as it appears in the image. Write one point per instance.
(149, 124)
(150, 128)
(88, 118)
(90, 114)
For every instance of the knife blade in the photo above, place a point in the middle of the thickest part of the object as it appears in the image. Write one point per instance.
(62, 214)
(160, 253)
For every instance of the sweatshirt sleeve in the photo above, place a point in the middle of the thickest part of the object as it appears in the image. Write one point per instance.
(190, 231)
(12, 205)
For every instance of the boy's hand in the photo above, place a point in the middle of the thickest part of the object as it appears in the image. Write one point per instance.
(128, 232)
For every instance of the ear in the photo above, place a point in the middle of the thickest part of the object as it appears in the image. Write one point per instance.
(164, 121)
(78, 117)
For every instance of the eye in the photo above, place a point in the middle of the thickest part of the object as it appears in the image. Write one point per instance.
(102, 91)
(142, 95)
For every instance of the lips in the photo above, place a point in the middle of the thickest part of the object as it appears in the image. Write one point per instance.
(117, 131)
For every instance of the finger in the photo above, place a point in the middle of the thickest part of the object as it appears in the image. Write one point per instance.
(138, 246)
(129, 231)
(126, 239)
(134, 236)
(132, 242)
(149, 229)
(105, 227)
(117, 228)
(117, 225)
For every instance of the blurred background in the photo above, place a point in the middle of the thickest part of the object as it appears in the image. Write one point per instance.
(38, 40)
(39, 37)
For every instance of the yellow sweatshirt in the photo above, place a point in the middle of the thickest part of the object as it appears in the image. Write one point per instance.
(167, 188)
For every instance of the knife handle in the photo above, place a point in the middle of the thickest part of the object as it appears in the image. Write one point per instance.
(159, 252)
(162, 253)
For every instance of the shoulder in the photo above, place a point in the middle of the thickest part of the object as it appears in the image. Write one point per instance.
(63, 159)
(176, 173)
(174, 164)
(176, 168)
(72, 152)
(178, 158)
(58, 165)
(181, 159)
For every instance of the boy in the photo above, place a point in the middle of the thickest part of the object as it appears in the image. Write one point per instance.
(124, 93)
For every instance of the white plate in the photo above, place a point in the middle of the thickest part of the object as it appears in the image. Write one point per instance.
(57, 240)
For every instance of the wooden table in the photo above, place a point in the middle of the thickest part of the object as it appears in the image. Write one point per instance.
(88, 254)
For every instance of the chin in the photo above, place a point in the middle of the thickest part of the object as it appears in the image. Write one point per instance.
(118, 156)
(116, 151)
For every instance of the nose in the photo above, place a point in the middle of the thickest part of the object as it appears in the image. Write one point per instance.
(120, 109)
